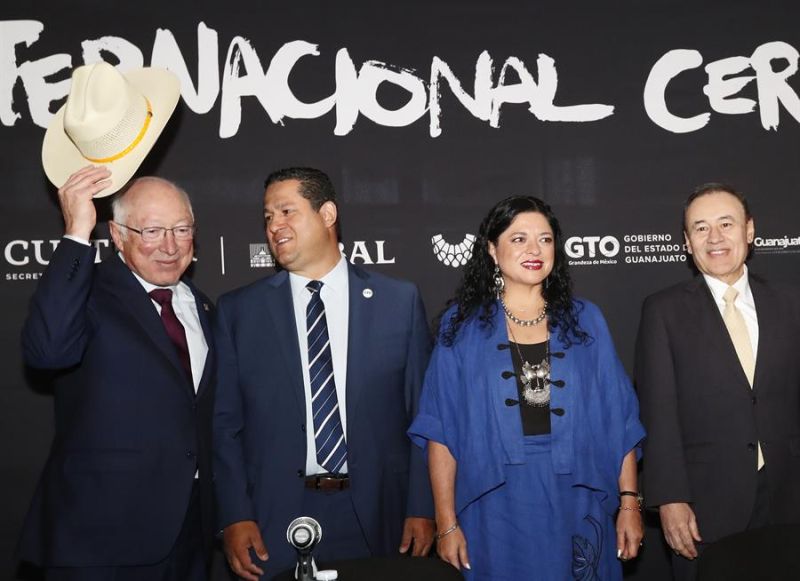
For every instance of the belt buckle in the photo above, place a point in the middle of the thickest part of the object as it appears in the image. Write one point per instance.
(329, 482)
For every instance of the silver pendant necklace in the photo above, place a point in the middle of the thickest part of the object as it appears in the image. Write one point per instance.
(535, 378)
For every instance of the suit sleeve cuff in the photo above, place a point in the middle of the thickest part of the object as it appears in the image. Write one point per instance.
(77, 239)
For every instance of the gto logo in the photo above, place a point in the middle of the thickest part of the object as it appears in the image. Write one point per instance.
(25, 252)
(589, 246)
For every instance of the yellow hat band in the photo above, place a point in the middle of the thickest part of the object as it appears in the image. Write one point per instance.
(133, 144)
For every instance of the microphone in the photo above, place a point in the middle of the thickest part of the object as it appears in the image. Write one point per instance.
(303, 534)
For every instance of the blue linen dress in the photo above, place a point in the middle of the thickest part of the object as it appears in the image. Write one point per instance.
(533, 507)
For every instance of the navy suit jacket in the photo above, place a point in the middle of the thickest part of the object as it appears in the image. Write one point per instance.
(259, 419)
(129, 431)
(702, 418)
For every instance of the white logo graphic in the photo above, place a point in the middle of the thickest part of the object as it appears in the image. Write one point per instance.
(638, 248)
(360, 252)
(363, 253)
(782, 245)
(589, 246)
(24, 259)
(260, 256)
(651, 248)
(454, 255)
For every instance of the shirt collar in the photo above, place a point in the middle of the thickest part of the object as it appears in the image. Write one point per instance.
(719, 287)
(177, 289)
(335, 280)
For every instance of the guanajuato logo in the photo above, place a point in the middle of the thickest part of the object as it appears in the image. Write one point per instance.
(782, 245)
(591, 250)
(638, 248)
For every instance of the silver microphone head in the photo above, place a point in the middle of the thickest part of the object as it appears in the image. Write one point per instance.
(304, 533)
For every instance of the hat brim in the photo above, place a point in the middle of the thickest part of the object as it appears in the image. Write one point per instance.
(60, 157)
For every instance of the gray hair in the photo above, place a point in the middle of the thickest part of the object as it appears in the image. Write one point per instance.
(119, 206)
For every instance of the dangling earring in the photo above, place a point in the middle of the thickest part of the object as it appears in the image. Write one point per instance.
(499, 283)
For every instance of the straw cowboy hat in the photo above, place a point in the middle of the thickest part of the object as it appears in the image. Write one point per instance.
(110, 119)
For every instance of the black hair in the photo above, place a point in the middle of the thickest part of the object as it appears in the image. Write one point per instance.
(475, 295)
(715, 188)
(315, 186)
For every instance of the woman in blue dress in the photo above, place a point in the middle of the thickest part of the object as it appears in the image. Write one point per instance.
(530, 422)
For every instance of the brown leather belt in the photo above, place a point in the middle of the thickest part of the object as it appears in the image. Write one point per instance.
(328, 482)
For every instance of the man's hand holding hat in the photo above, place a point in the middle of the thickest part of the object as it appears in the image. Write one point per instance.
(75, 197)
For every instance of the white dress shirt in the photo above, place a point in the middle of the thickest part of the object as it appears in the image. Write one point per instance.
(335, 297)
(744, 302)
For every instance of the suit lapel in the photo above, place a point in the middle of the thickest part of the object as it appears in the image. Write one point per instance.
(132, 296)
(768, 319)
(278, 311)
(360, 313)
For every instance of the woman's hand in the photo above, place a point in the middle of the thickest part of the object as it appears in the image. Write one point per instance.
(630, 532)
(450, 541)
(452, 548)
(630, 529)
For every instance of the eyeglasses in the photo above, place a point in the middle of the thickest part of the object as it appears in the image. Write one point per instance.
(156, 233)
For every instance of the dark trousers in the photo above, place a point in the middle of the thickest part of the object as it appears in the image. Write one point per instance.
(342, 537)
(685, 570)
(185, 562)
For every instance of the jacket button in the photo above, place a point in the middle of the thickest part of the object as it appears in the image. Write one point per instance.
(302, 427)
(301, 473)
(751, 446)
(754, 400)
(189, 454)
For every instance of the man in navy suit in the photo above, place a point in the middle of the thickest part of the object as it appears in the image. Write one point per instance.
(320, 369)
(125, 492)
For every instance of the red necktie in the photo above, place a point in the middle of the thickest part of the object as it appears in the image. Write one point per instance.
(176, 332)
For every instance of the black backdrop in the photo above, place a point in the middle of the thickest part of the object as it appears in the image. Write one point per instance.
(672, 94)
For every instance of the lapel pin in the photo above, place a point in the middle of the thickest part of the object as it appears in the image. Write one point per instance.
(206, 308)
(367, 292)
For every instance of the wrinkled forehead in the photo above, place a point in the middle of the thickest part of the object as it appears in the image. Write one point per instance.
(157, 204)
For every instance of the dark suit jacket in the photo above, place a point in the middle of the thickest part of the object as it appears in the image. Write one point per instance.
(702, 418)
(129, 430)
(259, 420)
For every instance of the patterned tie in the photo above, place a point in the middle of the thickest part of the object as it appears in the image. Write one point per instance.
(328, 433)
(737, 329)
(176, 332)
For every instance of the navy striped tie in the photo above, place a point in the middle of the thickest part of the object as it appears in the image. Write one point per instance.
(328, 433)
